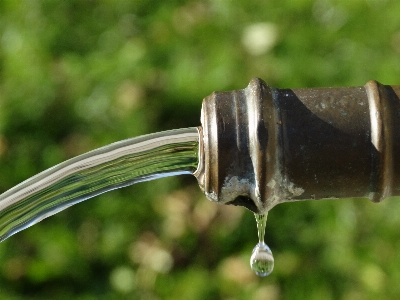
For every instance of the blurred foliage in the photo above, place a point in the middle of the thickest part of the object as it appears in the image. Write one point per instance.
(79, 74)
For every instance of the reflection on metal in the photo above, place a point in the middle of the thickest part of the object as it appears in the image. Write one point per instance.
(262, 146)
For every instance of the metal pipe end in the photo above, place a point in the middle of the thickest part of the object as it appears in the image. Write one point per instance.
(240, 147)
(262, 146)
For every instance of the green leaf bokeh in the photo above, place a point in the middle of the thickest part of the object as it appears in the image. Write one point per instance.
(76, 75)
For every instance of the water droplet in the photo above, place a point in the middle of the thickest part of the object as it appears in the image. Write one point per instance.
(261, 260)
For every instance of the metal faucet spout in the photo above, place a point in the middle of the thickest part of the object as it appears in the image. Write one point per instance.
(262, 146)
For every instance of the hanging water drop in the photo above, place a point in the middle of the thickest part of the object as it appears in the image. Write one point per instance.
(261, 260)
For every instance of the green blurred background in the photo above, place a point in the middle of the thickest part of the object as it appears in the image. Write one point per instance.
(76, 75)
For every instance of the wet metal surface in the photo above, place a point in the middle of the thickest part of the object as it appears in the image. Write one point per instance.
(263, 146)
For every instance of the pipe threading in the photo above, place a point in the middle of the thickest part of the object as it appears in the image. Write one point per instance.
(263, 146)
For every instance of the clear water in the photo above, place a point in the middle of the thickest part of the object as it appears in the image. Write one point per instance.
(111, 167)
(261, 260)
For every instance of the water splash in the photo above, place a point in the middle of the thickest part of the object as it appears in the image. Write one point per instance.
(261, 260)
(111, 167)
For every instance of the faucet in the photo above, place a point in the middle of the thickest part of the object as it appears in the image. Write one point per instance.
(261, 146)
(257, 147)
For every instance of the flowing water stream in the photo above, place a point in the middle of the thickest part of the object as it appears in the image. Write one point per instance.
(111, 167)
